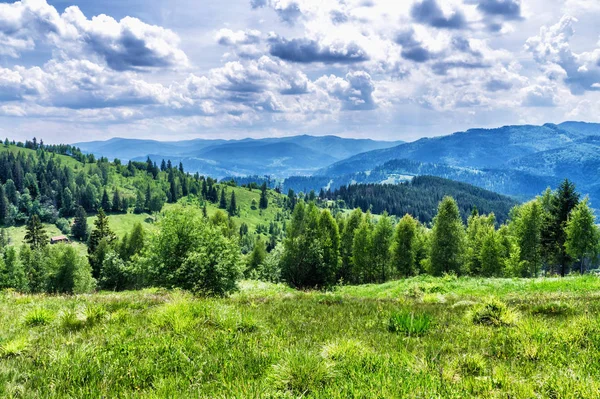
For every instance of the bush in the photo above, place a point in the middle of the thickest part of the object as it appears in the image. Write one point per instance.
(68, 271)
(16, 347)
(191, 253)
(494, 313)
(64, 226)
(409, 323)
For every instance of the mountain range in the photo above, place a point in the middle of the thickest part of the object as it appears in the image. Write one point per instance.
(520, 161)
(280, 157)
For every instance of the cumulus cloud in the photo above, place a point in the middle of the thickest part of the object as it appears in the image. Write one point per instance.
(412, 49)
(355, 91)
(288, 11)
(308, 51)
(227, 37)
(429, 12)
(507, 9)
(124, 45)
(552, 51)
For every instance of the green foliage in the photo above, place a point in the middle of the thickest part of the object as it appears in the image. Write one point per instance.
(80, 227)
(583, 236)
(38, 316)
(101, 239)
(36, 235)
(68, 272)
(192, 253)
(409, 323)
(404, 247)
(256, 258)
(447, 241)
(301, 373)
(494, 313)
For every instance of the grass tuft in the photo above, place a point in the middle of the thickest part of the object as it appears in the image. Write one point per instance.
(493, 312)
(301, 373)
(553, 309)
(472, 365)
(70, 320)
(15, 347)
(409, 323)
(38, 317)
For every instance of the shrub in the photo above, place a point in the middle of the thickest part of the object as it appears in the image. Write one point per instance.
(63, 225)
(68, 271)
(409, 323)
(494, 313)
(38, 317)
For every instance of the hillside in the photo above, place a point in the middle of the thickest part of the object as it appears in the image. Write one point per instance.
(278, 156)
(420, 197)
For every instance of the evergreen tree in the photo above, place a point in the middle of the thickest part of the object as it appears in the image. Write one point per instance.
(232, 205)
(163, 166)
(100, 238)
(478, 227)
(80, 229)
(223, 201)
(116, 201)
(263, 203)
(147, 198)
(67, 203)
(582, 234)
(3, 206)
(562, 203)
(11, 192)
(36, 235)
(447, 240)
(105, 204)
(256, 258)
(490, 254)
(404, 247)
(204, 211)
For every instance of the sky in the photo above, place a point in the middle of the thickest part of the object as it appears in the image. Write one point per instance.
(74, 71)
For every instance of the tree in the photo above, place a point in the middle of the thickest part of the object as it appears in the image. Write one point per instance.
(526, 226)
(361, 252)
(67, 202)
(12, 272)
(263, 203)
(490, 254)
(232, 205)
(447, 240)
(115, 274)
(190, 252)
(223, 201)
(11, 192)
(404, 247)
(80, 228)
(330, 249)
(157, 201)
(351, 223)
(36, 235)
(256, 258)
(132, 244)
(3, 206)
(582, 234)
(380, 249)
(554, 236)
(100, 233)
(68, 271)
(105, 203)
(116, 201)
(147, 198)
(478, 227)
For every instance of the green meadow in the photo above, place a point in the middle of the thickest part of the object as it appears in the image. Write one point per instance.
(422, 337)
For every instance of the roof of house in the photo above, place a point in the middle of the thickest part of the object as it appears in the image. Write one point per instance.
(59, 238)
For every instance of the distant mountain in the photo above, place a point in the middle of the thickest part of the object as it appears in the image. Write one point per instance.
(278, 156)
(475, 148)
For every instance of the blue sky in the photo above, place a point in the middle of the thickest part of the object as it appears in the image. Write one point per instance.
(396, 70)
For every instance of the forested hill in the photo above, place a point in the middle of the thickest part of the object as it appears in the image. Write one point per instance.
(421, 196)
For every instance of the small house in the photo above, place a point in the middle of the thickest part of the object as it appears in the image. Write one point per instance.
(59, 239)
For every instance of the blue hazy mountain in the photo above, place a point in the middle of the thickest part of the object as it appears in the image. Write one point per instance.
(279, 156)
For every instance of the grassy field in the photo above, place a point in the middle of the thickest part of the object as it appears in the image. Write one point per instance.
(417, 338)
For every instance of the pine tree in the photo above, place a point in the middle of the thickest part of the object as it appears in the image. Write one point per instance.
(147, 198)
(404, 254)
(361, 252)
(232, 205)
(562, 203)
(256, 258)
(447, 240)
(526, 226)
(36, 235)
(3, 206)
(105, 204)
(223, 201)
(163, 166)
(264, 201)
(582, 234)
(116, 201)
(490, 254)
(347, 241)
(101, 235)
(204, 211)
(79, 229)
